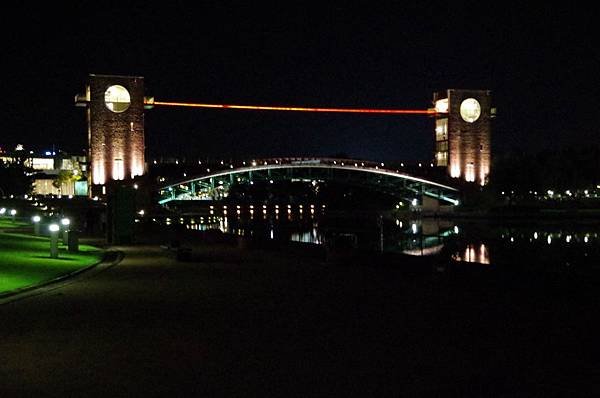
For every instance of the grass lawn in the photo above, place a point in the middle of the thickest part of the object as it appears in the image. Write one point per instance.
(25, 259)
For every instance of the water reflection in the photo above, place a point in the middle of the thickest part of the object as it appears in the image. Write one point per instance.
(473, 254)
(472, 242)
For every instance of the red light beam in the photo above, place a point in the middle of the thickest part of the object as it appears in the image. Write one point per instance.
(297, 109)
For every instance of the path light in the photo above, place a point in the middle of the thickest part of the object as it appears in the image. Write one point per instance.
(36, 224)
(53, 228)
(13, 213)
(2, 211)
(65, 222)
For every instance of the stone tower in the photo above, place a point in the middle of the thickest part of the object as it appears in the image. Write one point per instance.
(115, 115)
(463, 133)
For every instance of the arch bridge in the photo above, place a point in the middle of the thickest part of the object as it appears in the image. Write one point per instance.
(216, 185)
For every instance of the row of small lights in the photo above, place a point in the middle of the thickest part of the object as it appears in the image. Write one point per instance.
(4, 211)
(550, 236)
(65, 222)
(551, 193)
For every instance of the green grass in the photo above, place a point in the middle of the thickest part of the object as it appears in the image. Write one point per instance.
(7, 223)
(25, 259)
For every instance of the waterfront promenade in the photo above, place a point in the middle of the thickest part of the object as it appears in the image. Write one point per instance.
(253, 322)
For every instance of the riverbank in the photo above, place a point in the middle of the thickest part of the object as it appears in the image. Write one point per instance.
(255, 318)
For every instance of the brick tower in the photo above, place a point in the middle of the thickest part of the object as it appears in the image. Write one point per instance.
(463, 133)
(115, 114)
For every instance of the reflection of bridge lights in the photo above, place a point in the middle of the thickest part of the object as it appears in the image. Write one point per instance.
(535, 235)
(456, 229)
(549, 239)
(414, 228)
(568, 239)
(586, 239)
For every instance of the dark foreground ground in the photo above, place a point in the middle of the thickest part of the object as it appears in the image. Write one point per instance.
(252, 322)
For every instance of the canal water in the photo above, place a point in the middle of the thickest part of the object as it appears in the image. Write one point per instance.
(553, 243)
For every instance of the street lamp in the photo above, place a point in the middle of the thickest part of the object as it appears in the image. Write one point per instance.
(54, 228)
(36, 224)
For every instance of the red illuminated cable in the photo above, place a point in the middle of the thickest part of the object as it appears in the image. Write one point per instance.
(298, 109)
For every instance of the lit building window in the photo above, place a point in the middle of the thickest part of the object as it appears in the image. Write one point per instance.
(118, 170)
(441, 106)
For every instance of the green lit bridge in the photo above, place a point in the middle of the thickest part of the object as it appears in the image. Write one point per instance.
(215, 185)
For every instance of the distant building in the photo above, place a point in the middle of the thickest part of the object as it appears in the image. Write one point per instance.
(47, 166)
(115, 113)
(463, 133)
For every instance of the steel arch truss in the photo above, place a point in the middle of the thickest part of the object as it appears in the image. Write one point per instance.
(216, 185)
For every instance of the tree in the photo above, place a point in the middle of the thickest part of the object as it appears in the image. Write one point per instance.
(15, 179)
(67, 176)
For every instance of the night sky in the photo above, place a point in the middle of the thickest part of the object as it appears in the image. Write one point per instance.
(542, 66)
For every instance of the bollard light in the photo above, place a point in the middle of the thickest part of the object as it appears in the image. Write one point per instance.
(36, 224)
(13, 213)
(53, 228)
(65, 222)
(2, 211)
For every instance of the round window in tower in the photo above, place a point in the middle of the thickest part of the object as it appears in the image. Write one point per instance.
(470, 110)
(117, 99)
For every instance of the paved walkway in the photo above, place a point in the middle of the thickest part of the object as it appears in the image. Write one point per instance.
(259, 324)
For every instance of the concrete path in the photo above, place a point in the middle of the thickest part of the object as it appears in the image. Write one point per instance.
(261, 324)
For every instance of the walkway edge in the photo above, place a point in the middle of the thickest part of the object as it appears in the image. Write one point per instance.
(110, 259)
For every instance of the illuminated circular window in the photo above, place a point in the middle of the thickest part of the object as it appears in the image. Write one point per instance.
(470, 110)
(117, 99)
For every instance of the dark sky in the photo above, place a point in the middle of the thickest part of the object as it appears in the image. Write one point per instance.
(541, 64)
